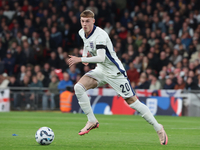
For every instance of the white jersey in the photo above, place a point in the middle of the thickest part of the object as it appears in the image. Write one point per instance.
(97, 39)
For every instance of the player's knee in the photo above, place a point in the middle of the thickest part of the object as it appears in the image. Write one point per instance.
(79, 89)
(131, 100)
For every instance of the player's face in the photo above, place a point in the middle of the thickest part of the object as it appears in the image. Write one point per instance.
(87, 24)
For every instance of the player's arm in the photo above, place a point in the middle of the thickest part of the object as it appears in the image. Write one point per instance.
(101, 51)
(85, 55)
(100, 57)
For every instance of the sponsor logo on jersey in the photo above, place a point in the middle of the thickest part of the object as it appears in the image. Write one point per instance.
(126, 94)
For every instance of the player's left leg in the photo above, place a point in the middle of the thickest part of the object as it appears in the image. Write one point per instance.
(147, 115)
(122, 86)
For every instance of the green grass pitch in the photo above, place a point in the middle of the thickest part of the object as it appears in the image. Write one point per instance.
(116, 132)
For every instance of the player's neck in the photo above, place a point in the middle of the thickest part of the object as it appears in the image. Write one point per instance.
(88, 33)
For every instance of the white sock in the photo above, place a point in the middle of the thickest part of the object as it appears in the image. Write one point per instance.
(146, 114)
(84, 102)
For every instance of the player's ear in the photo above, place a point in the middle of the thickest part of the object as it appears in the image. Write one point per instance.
(93, 20)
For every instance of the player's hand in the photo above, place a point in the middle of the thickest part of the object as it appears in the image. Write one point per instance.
(85, 64)
(73, 60)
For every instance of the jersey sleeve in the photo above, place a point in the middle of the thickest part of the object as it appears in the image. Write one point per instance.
(80, 32)
(100, 42)
(95, 59)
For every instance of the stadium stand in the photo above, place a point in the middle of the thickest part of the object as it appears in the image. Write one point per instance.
(154, 37)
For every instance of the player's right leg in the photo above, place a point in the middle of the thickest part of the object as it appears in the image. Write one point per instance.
(80, 88)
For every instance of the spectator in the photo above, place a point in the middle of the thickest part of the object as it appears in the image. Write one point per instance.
(33, 38)
(53, 61)
(185, 62)
(145, 63)
(177, 24)
(46, 42)
(61, 24)
(154, 93)
(13, 47)
(2, 51)
(157, 24)
(163, 61)
(9, 63)
(73, 72)
(65, 82)
(36, 69)
(18, 38)
(132, 73)
(135, 11)
(179, 46)
(168, 42)
(92, 7)
(143, 82)
(21, 74)
(162, 79)
(34, 93)
(103, 14)
(29, 53)
(46, 70)
(64, 65)
(196, 43)
(155, 84)
(55, 38)
(50, 94)
(14, 84)
(60, 54)
(186, 39)
(132, 54)
(1, 67)
(67, 34)
(38, 25)
(176, 57)
(86, 69)
(137, 63)
(108, 27)
(64, 12)
(185, 28)
(191, 85)
(74, 28)
(151, 41)
(180, 83)
(125, 19)
(38, 51)
(4, 80)
(20, 57)
(45, 80)
(192, 75)
(168, 84)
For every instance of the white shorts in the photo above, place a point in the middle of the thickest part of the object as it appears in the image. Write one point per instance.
(119, 82)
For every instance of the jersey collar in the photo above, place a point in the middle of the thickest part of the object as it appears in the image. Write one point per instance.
(91, 32)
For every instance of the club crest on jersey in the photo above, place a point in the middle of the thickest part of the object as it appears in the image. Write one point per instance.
(91, 45)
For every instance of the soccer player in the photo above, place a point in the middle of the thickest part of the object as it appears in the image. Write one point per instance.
(109, 70)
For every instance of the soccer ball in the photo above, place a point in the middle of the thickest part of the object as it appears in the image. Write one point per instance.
(44, 136)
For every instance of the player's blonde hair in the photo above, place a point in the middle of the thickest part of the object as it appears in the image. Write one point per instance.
(87, 14)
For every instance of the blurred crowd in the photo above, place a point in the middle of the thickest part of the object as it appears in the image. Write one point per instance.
(158, 41)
